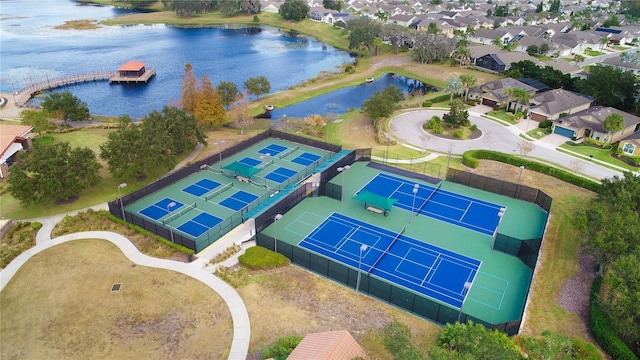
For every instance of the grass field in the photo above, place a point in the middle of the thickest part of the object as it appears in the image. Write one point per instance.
(598, 153)
(60, 306)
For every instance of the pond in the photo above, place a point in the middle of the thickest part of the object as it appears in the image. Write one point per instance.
(338, 102)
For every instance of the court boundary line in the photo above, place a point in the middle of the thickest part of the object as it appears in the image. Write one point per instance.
(503, 293)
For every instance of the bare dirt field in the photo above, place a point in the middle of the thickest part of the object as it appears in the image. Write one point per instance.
(60, 306)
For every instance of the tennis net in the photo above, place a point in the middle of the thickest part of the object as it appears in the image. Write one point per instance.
(429, 197)
(386, 251)
(218, 191)
(176, 214)
(265, 164)
(214, 171)
(288, 152)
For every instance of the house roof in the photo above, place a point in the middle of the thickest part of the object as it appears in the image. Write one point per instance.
(564, 66)
(620, 62)
(131, 66)
(477, 51)
(330, 345)
(557, 101)
(594, 117)
(9, 134)
(635, 137)
(497, 87)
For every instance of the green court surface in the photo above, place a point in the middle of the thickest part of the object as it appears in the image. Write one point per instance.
(498, 293)
(277, 169)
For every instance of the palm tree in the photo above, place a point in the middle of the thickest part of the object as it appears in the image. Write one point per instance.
(612, 123)
(454, 86)
(577, 58)
(468, 81)
(603, 41)
(521, 96)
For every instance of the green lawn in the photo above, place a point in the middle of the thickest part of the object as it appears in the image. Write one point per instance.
(598, 153)
(538, 133)
(503, 115)
(593, 53)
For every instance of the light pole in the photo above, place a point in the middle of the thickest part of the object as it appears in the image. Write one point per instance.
(495, 233)
(448, 163)
(169, 206)
(519, 177)
(413, 208)
(467, 286)
(388, 137)
(275, 232)
(363, 248)
(342, 170)
(121, 186)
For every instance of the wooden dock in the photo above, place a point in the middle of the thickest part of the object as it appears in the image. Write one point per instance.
(26, 93)
(144, 78)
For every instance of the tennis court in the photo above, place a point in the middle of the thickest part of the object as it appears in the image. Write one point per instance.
(306, 159)
(160, 209)
(280, 175)
(435, 272)
(250, 161)
(272, 149)
(239, 200)
(201, 187)
(460, 210)
(199, 224)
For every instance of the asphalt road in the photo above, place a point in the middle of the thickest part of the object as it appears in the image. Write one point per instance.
(408, 126)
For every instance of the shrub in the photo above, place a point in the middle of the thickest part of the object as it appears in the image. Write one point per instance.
(282, 348)
(36, 226)
(427, 103)
(457, 134)
(474, 127)
(470, 158)
(603, 330)
(258, 257)
(440, 98)
(545, 124)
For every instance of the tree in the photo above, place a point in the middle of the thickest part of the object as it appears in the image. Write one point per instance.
(132, 152)
(473, 341)
(66, 106)
(540, 7)
(53, 171)
(454, 87)
(190, 90)
(294, 10)
(251, 7)
(228, 92)
(209, 111)
(613, 123)
(383, 103)
(429, 48)
(38, 119)
(332, 4)
(179, 128)
(433, 28)
(228, 8)
(612, 21)
(577, 58)
(533, 50)
(621, 299)
(610, 86)
(257, 85)
(239, 115)
(468, 81)
(544, 48)
(520, 95)
(456, 116)
(554, 8)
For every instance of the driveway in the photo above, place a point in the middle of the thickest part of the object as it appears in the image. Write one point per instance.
(408, 126)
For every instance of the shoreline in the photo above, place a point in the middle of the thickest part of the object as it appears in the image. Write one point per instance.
(10, 112)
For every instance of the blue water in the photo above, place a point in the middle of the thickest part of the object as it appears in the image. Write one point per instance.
(338, 102)
(32, 51)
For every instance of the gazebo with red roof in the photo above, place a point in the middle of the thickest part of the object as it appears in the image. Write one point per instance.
(132, 71)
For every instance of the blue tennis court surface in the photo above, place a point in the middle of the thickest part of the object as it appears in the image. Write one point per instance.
(467, 212)
(421, 267)
(249, 162)
(280, 175)
(199, 224)
(306, 159)
(201, 187)
(238, 200)
(159, 209)
(273, 149)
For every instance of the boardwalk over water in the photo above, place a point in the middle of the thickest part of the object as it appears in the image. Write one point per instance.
(23, 95)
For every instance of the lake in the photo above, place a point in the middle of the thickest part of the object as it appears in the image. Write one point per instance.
(32, 51)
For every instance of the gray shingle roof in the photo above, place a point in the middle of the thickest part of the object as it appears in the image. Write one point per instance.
(557, 101)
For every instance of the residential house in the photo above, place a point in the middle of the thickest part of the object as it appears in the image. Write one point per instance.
(494, 93)
(630, 145)
(629, 61)
(567, 67)
(403, 20)
(549, 105)
(270, 6)
(488, 36)
(501, 61)
(588, 124)
(328, 345)
(13, 139)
